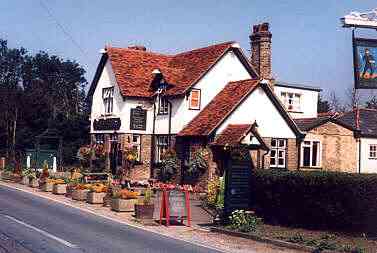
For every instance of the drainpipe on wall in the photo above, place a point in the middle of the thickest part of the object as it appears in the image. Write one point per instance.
(153, 139)
(359, 140)
(169, 131)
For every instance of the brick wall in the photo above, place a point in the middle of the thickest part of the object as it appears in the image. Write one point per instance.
(260, 41)
(339, 147)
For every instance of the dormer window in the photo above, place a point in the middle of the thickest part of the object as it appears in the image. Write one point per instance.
(194, 99)
(163, 106)
(291, 101)
(108, 99)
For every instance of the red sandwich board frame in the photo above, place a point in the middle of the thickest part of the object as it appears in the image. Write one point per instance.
(165, 208)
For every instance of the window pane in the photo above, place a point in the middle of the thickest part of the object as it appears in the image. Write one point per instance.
(281, 143)
(281, 162)
(281, 154)
(315, 153)
(272, 162)
(306, 156)
(273, 143)
(273, 153)
(195, 99)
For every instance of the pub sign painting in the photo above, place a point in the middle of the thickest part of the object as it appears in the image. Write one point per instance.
(365, 57)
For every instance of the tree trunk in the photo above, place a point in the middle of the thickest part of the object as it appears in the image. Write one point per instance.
(14, 134)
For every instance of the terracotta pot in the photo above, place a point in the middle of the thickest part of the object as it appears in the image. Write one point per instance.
(59, 189)
(33, 183)
(80, 195)
(95, 197)
(47, 187)
(144, 212)
(123, 205)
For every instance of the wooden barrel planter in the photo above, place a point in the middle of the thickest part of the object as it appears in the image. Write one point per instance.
(47, 187)
(80, 195)
(33, 183)
(144, 212)
(95, 197)
(25, 180)
(123, 205)
(59, 189)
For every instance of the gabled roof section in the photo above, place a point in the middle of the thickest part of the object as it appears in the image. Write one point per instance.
(233, 135)
(219, 108)
(362, 119)
(133, 68)
(306, 124)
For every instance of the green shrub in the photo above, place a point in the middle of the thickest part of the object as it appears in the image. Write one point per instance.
(331, 200)
(243, 221)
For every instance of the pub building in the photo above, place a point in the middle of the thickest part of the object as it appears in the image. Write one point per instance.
(208, 98)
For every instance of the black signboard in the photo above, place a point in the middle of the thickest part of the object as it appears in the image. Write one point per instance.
(365, 67)
(138, 119)
(107, 124)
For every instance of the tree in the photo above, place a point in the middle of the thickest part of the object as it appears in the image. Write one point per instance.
(335, 103)
(323, 105)
(11, 92)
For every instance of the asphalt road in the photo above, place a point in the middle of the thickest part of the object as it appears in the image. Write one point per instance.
(39, 225)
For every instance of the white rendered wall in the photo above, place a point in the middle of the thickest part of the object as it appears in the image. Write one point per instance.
(122, 107)
(367, 165)
(308, 101)
(258, 107)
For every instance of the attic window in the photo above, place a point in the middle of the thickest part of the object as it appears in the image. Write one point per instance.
(194, 99)
(163, 106)
(108, 97)
(291, 101)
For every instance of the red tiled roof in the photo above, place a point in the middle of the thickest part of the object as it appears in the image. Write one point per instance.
(221, 106)
(232, 134)
(133, 68)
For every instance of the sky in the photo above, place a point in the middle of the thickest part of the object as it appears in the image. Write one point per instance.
(309, 46)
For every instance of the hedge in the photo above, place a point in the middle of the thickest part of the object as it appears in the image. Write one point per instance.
(330, 200)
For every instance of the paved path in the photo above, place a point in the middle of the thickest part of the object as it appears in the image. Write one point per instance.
(40, 225)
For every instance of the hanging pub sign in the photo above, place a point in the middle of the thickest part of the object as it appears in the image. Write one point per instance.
(138, 120)
(107, 124)
(365, 67)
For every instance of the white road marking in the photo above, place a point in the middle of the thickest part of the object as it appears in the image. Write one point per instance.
(64, 242)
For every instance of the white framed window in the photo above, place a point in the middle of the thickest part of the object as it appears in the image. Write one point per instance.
(372, 151)
(108, 99)
(136, 145)
(291, 101)
(163, 106)
(194, 99)
(311, 154)
(162, 146)
(277, 153)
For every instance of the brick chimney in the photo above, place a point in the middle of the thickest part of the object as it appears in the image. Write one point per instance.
(260, 42)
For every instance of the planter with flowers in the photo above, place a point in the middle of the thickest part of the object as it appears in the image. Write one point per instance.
(33, 180)
(96, 194)
(59, 187)
(124, 201)
(144, 208)
(80, 192)
(25, 176)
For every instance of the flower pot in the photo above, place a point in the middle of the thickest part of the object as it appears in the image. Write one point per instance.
(47, 187)
(59, 189)
(25, 180)
(33, 182)
(144, 212)
(79, 195)
(95, 197)
(123, 205)
(69, 191)
(107, 200)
